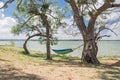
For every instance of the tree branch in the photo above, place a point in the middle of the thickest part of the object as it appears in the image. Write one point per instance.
(67, 1)
(9, 1)
(115, 5)
(27, 21)
(78, 17)
(52, 16)
(111, 31)
(104, 29)
(25, 43)
(100, 37)
(19, 3)
(38, 34)
(98, 11)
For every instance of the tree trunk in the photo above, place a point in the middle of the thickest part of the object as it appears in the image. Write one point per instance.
(89, 54)
(48, 43)
(25, 47)
(47, 25)
(25, 44)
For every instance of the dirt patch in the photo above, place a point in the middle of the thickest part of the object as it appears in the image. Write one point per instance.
(51, 70)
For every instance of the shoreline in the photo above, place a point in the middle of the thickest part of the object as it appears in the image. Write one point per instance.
(57, 40)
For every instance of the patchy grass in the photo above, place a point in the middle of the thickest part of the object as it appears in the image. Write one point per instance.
(15, 65)
(35, 56)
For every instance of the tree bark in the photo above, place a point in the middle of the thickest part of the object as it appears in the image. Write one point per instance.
(89, 53)
(48, 43)
(25, 47)
(25, 44)
(47, 25)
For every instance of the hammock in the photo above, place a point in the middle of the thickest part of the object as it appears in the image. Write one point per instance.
(62, 51)
(65, 51)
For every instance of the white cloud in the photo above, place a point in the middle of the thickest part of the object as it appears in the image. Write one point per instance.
(5, 25)
(68, 30)
(117, 1)
(116, 28)
(113, 22)
(7, 22)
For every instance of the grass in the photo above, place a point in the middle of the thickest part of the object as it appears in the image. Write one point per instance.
(35, 56)
(10, 55)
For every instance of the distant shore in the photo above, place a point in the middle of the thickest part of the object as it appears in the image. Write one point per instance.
(58, 40)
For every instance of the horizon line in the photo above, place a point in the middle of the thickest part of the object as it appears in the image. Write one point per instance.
(58, 40)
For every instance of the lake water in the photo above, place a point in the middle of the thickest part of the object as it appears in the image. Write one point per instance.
(106, 48)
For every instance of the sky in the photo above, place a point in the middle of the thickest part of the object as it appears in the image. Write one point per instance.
(7, 21)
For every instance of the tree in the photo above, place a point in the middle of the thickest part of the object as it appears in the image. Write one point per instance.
(81, 9)
(36, 16)
(89, 8)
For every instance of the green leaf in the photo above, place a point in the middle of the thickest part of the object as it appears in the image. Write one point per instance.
(102, 27)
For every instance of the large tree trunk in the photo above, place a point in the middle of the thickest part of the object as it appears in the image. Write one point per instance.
(89, 54)
(90, 50)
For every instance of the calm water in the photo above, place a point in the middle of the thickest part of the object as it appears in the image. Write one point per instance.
(106, 48)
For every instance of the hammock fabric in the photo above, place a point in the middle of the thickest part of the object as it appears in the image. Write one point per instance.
(63, 51)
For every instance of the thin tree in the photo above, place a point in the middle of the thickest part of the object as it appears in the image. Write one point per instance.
(36, 11)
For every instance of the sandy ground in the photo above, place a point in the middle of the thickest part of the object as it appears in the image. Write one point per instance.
(58, 70)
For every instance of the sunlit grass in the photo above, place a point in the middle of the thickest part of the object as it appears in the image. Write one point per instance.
(35, 56)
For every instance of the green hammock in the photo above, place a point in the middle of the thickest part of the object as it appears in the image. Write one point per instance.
(65, 51)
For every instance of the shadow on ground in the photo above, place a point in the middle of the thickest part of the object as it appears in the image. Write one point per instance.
(111, 72)
(67, 60)
(43, 55)
(8, 72)
(4, 60)
(35, 55)
(105, 71)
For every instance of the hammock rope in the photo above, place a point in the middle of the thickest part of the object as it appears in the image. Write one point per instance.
(65, 51)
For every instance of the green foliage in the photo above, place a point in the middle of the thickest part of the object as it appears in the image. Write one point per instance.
(53, 40)
(109, 0)
(94, 1)
(98, 22)
(102, 27)
(112, 0)
(86, 1)
(83, 1)
(42, 40)
(15, 30)
(45, 6)
(29, 8)
(32, 9)
(90, 13)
